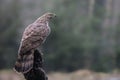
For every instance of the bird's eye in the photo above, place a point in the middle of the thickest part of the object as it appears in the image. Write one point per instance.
(50, 17)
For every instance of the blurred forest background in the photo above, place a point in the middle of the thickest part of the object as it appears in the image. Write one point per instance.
(85, 34)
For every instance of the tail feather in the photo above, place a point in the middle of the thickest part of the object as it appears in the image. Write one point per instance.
(24, 62)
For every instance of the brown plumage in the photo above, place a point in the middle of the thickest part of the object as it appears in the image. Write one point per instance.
(34, 35)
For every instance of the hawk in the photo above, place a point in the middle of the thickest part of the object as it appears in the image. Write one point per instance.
(33, 37)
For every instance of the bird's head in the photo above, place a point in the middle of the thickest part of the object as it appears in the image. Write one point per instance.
(49, 15)
(46, 17)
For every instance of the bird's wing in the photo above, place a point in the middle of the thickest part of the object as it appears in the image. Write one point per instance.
(32, 38)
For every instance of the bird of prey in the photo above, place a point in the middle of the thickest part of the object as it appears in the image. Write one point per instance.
(33, 37)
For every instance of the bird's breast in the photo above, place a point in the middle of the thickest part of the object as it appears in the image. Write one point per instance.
(48, 30)
(44, 31)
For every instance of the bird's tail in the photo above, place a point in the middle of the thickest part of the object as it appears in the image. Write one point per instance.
(24, 62)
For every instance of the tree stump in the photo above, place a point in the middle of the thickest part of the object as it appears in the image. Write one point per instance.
(37, 72)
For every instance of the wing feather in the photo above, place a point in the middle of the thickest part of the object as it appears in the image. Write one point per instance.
(32, 38)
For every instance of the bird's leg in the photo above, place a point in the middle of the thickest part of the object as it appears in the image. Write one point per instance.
(40, 50)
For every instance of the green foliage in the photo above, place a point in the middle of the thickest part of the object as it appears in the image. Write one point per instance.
(10, 22)
(70, 38)
(77, 42)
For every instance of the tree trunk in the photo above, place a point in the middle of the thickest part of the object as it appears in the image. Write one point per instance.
(91, 8)
(109, 31)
